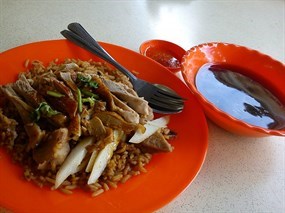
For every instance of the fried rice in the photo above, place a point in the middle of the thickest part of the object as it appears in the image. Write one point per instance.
(127, 160)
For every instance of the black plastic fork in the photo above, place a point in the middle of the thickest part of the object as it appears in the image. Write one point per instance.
(161, 99)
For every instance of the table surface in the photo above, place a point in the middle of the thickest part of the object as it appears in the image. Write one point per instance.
(240, 174)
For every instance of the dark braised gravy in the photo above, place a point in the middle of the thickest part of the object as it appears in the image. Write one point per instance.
(240, 96)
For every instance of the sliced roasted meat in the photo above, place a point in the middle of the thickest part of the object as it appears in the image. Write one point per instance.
(58, 120)
(96, 128)
(125, 111)
(105, 139)
(32, 97)
(66, 77)
(118, 87)
(23, 87)
(115, 121)
(128, 95)
(35, 135)
(22, 107)
(7, 129)
(70, 66)
(74, 127)
(53, 150)
(64, 104)
(104, 92)
(58, 96)
(25, 111)
(156, 143)
(60, 86)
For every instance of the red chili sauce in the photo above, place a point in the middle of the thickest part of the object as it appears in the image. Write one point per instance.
(164, 57)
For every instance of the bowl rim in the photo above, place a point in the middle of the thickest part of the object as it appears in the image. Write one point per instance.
(144, 46)
(214, 108)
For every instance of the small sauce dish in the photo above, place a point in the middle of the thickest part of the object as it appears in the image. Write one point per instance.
(164, 52)
(240, 89)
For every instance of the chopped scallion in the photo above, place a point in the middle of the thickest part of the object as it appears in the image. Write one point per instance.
(89, 100)
(87, 81)
(45, 110)
(54, 94)
(89, 94)
(79, 100)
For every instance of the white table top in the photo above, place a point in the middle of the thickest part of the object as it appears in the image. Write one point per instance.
(240, 174)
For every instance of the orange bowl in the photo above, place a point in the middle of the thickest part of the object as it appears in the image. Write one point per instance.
(262, 68)
(164, 52)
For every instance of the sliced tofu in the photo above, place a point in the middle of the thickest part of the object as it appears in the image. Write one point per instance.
(104, 156)
(150, 128)
(73, 161)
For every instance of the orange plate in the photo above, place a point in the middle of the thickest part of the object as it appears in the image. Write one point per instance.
(168, 174)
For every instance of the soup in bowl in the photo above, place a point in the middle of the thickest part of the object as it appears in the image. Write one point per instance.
(240, 89)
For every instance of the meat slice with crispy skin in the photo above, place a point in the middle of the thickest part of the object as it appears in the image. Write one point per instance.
(156, 143)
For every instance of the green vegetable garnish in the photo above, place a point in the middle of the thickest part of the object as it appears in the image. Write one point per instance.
(79, 100)
(87, 81)
(89, 100)
(45, 110)
(89, 94)
(54, 94)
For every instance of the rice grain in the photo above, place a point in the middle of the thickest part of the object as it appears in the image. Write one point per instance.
(98, 192)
